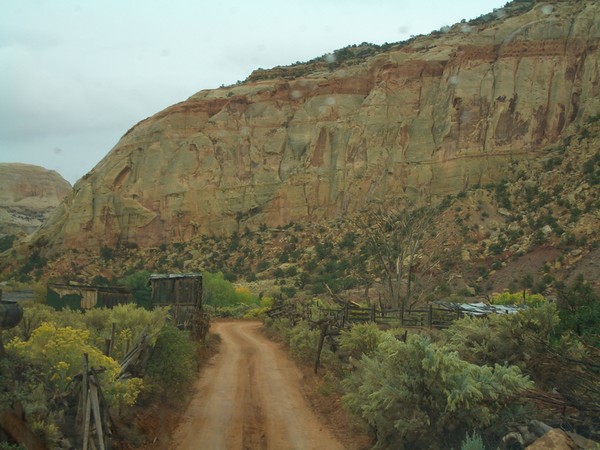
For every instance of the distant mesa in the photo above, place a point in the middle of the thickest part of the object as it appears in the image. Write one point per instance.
(28, 194)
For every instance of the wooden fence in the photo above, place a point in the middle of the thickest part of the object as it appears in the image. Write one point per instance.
(342, 317)
(330, 321)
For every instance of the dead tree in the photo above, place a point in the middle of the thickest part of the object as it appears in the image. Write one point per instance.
(396, 238)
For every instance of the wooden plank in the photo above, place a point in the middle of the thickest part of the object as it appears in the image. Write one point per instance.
(84, 389)
(324, 327)
(86, 422)
(106, 419)
(112, 339)
(97, 417)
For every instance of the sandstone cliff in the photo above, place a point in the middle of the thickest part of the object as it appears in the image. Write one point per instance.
(28, 194)
(418, 121)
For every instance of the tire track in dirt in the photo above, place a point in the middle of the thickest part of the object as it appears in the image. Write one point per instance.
(253, 435)
(249, 397)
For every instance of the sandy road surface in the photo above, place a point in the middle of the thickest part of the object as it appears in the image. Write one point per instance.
(249, 397)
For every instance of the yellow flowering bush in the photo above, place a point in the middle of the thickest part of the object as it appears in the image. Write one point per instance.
(59, 351)
(507, 298)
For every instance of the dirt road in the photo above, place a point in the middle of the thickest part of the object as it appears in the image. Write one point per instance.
(249, 397)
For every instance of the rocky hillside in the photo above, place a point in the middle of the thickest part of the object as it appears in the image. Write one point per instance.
(538, 225)
(28, 194)
(418, 121)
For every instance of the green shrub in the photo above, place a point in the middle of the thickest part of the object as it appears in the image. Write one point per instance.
(6, 242)
(173, 365)
(217, 291)
(235, 311)
(421, 395)
(7, 446)
(138, 283)
(107, 253)
(542, 345)
(34, 314)
(361, 339)
(472, 442)
(280, 328)
(303, 342)
(288, 291)
(265, 304)
(24, 383)
(579, 310)
(500, 338)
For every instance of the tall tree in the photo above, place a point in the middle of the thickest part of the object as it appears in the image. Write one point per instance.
(395, 239)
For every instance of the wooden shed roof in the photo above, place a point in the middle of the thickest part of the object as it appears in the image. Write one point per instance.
(166, 276)
(83, 287)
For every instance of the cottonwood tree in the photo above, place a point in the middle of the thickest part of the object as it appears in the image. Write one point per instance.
(395, 240)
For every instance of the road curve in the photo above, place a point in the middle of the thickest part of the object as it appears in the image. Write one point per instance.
(249, 397)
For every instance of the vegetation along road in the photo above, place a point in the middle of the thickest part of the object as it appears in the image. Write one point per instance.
(249, 397)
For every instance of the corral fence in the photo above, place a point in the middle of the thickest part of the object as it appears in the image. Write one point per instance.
(330, 321)
(342, 317)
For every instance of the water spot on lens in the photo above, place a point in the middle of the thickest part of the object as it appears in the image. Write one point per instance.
(547, 9)
(499, 13)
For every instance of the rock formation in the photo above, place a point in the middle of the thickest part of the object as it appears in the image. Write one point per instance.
(28, 194)
(419, 121)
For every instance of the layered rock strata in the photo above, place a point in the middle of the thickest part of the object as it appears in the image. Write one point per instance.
(28, 195)
(417, 122)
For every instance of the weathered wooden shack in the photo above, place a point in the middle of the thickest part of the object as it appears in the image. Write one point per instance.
(176, 289)
(181, 292)
(85, 297)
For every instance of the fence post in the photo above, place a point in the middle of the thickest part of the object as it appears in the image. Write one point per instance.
(112, 339)
(402, 314)
(85, 405)
(430, 318)
(324, 328)
(372, 313)
(97, 417)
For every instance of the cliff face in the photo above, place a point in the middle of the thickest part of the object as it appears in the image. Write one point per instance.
(28, 194)
(417, 122)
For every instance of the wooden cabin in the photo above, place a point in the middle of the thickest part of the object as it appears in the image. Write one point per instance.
(76, 296)
(181, 292)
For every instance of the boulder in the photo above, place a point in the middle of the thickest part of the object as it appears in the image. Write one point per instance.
(555, 439)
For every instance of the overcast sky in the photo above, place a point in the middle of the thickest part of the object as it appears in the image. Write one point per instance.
(75, 75)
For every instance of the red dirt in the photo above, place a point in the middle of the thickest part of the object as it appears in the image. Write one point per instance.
(530, 263)
(250, 397)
